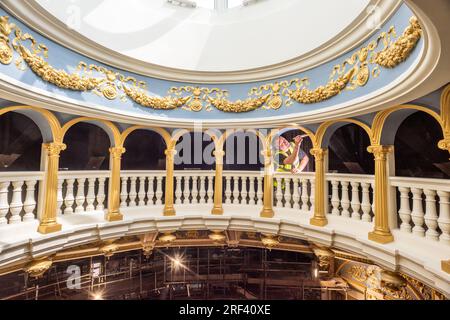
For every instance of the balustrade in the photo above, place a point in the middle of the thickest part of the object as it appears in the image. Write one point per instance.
(424, 208)
(351, 196)
(18, 196)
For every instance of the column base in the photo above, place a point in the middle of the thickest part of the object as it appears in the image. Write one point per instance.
(267, 213)
(113, 216)
(217, 211)
(318, 222)
(169, 211)
(381, 237)
(445, 265)
(49, 228)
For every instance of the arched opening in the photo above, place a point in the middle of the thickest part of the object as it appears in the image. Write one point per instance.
(348, 151)
(144, 151)
(21, 143)
(416, 151)
(195, 152)
(243, 152)
(288, 142)
(87, 148)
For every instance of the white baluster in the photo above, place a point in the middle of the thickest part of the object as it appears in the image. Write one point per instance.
(101, 194)
(296, 194)
(59, 197)
(210, 190)
(372, 185)
(335, 202)
(345, 201)
(305, 196)
(259, 192)
(251, 191)
(16, 204)
(313, 194)
(30, 202)
(356, 204)
(69, 198)
(244, 190)
(151, 191)
(178, 191)
(405, 210)
(186, 191)
(431, 216)
(141, 193)
(195, 189)
(444, 216)
(228, 190)
(202, 189)
(235, 190)
(80, 198)
(279, 193)
(4, 206)
(133, 193)
(417, 212)
(365, 205)
(90, 197)
(288, 193)
(159, 192)
(124, 193)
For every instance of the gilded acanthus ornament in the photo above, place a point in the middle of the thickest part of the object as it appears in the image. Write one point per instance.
(354, 72)
(196, 96)
(322, 93)
(239, 105)
(37, 268)
(394, 54)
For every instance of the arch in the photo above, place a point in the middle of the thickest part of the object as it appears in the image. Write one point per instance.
(111, 130)
(46, 121)
(310, 134)
(384, 123)
(162, 132)
(416, 152)
(445, 110)
(326, 130)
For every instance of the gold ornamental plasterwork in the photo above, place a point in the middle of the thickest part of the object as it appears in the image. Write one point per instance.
(356, 71)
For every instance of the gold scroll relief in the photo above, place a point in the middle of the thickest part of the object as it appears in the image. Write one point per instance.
(354, 72)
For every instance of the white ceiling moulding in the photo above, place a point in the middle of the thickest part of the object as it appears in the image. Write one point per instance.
(35, 16)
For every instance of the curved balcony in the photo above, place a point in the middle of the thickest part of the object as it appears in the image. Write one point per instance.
(421, 239)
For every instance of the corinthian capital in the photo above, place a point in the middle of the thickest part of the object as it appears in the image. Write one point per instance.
(170, 152)
(117, 152)
(54, 148)
(318, 153)
(380, 152)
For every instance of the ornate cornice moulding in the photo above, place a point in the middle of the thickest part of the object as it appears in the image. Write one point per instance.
(352, 73)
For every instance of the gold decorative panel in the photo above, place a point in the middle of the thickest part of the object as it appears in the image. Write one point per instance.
(351, 74)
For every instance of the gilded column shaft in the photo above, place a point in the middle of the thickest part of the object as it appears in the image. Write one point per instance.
(169, 210)
(381, 233)
(48, 222)
(267, 211)
(218, 183)
(114, 185)
(319, 218)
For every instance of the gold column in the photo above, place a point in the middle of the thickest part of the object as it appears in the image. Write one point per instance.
(381, 232)
(218, 187)
(169, 210)
(48, 222)
(267, 211)
(114, 185)
(319, 219)
(445, 266)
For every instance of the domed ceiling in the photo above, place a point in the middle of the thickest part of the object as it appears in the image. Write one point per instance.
(213, 35)
(159, 63)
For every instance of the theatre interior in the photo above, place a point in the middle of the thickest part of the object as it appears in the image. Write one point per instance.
(225, 150)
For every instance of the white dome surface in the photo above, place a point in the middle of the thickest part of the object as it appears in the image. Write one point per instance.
(200, 39)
